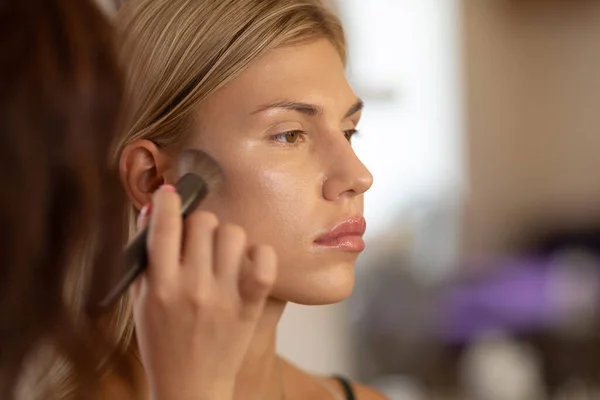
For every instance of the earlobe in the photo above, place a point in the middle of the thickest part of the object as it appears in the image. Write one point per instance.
(142, 168)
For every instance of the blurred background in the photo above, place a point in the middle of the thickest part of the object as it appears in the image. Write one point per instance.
(481, 278)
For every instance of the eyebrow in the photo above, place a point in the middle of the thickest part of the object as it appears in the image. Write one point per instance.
(306, 108)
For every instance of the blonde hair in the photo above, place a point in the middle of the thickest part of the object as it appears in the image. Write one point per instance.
(176, 53)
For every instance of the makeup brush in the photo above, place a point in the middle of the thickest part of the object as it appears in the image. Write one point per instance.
(199, 175)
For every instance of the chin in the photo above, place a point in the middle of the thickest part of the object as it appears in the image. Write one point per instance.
(318, 287)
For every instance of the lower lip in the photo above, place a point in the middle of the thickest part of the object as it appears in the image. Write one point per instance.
(347, 243)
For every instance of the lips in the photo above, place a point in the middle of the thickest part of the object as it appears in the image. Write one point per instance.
(345, 236)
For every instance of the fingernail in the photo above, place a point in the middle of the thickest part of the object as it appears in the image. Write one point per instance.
(169, 188)
(145, 211)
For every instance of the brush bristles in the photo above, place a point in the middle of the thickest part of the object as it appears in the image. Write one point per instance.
(200, 163)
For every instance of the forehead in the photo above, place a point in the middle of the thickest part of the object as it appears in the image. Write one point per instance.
(311, 72)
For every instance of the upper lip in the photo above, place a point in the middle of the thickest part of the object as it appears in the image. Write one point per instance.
(355, 226)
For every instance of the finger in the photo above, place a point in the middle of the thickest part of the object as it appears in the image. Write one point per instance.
(230, 246)
(257, 279)
(198, 243)
(164, 236)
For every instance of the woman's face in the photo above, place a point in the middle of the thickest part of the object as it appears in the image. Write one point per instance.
(281, 133)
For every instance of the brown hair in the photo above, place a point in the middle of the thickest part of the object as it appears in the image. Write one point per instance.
(60, 94)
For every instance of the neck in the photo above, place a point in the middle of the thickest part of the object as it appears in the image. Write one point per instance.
(259, 377)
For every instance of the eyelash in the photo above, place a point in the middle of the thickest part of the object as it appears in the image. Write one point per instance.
(349, 134)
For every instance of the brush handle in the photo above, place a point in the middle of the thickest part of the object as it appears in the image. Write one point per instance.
(192, 189)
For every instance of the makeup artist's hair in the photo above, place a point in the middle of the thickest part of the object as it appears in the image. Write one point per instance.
(60, 96)
(176, 53)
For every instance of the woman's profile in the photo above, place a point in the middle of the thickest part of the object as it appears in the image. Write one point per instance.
(261, 86)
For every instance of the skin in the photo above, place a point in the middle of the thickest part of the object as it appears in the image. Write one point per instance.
(285, 189)
(198, 288)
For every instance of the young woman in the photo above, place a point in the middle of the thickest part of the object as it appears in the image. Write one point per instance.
(261, 86)
(60, 95)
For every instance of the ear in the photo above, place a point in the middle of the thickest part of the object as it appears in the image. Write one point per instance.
(142, 168)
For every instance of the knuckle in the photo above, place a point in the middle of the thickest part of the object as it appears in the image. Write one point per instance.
(200, 300)
(161, 297)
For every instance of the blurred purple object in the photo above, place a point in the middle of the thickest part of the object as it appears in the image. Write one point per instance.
(513, 298)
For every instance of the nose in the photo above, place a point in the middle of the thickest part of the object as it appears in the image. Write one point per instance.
(346, 175)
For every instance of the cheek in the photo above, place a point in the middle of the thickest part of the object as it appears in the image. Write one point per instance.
(276, 206)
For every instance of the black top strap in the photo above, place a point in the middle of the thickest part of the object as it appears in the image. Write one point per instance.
(347, 386)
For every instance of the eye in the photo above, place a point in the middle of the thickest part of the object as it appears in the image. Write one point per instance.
(289, 137)
(350, 133)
